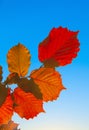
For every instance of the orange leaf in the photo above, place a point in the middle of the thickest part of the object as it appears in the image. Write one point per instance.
(26, 104)
(49, 82)
(18, 59)
(59, 48)
(6, 109)
(10, 126)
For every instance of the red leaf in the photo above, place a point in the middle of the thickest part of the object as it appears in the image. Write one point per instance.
(6, 109)
(26, 104)
(61, 46)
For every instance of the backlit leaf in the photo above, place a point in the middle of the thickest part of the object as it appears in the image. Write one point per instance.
(18, 59)
(26, 104)
(49, 81)
(10, 126)
(6, 109)
(59, 48)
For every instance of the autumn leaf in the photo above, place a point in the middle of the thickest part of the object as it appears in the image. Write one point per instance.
(59, 48)
(49, 82)
(18, 59)
(10, 126)
(26, 104)
(13, 78)
(1, 73)
(6, 109)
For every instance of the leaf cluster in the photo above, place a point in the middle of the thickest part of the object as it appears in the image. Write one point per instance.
(41, 85)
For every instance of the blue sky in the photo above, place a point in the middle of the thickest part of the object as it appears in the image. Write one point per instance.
(29, 22)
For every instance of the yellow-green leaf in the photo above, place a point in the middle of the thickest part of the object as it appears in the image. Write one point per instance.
(18, 59)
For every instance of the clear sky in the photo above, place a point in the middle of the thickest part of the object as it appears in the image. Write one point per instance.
(29, 22)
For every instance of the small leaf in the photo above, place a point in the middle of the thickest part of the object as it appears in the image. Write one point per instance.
(59, 48)
(49, 82)
(10, 126)
(1, 73)
(18, 59)
(30, 86)
(26, 104)
(12, 78)
(6, 109)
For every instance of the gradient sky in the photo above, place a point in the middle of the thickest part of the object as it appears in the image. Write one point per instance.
(29, 22)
